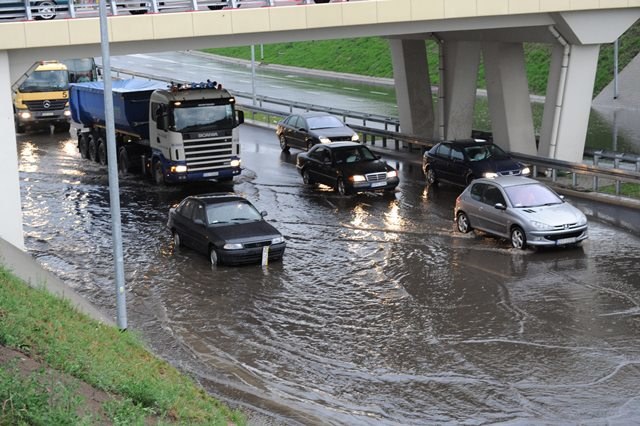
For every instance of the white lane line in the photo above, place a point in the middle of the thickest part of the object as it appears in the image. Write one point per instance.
(373, 92)
(353, 89)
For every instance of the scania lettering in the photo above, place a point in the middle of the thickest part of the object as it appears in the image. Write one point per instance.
(176, 133)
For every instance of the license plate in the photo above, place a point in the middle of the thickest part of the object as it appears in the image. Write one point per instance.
(47, 114)
(378, 184)
(566, 241)
(211, 174)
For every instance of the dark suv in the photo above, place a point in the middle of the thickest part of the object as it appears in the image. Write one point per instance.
(460, 162)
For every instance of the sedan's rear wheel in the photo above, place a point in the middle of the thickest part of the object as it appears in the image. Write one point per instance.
(431, 176)
(283, 144)
(463, 223)
(213, 256)
(518, 238)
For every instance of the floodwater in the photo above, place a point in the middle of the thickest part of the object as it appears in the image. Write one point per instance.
(380, 312)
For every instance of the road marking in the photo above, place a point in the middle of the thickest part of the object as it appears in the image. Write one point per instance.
(353, 89)
(377, 93)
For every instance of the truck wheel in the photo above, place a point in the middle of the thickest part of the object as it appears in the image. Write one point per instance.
(83, 146)
(93, 148)
(102, 151)
(19, 127)
(158, 175)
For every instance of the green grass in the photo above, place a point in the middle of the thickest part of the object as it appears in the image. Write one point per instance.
(55, 334)
(630, 190)
(371, 56)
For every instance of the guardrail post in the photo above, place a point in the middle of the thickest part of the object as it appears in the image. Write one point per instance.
(534, 171)
(638, 165)
(554, 175)
(596, 161)
(72, 9)
(27, 9)
(616, 164)
(574, 179)
(114, 8)
(397, 143)
(384, 141)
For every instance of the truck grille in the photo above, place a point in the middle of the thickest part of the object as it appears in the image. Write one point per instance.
(208, 154)
(376, 177)
(46, 105)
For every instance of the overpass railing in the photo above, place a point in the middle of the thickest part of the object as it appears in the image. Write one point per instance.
(45, 10)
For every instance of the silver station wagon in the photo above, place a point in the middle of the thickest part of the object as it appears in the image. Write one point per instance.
(521, 209)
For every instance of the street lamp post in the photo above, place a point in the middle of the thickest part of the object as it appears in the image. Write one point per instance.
(114, 190)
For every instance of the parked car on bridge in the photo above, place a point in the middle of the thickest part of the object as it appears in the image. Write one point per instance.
(459, 162)
(226, 227)
(40, 9)
(347, 167)
(310, 128)
(521, 209)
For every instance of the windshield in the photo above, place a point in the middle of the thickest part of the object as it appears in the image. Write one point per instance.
(235, 211)
(199, 118)
(533, 195)
(484, 152)
(324, 122)
(354, 154)
(45, 81)
(81, 70)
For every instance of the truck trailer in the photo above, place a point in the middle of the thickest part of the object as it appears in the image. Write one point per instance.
(173, 133)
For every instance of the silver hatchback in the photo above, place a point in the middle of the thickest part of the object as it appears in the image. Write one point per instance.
(521, 209)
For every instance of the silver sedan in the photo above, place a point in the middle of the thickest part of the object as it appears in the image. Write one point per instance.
(521, 209)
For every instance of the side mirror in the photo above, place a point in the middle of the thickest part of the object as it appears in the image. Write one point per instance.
(240, 118)
(500, 206)
(263, 213)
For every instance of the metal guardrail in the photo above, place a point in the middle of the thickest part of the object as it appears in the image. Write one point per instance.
(580, 175)
(51, 9)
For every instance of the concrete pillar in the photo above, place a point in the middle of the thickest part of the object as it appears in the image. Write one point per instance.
(11, 211)
(508, 93)
(551, 98)
(575, 104)
(413, 87)
(461, 60)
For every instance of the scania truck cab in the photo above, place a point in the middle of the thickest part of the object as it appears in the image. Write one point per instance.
(41, 97)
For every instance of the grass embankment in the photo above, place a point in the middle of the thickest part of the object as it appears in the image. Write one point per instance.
(71, 351)
(371, 56)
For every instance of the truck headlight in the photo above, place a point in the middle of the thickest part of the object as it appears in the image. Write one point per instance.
(25, 115)
(235, 163)
(67, 113)
(179, 169)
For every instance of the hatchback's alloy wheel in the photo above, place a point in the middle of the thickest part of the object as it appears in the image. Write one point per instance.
(213, 256)
(463, 223)
(431, 176)
(518, 238)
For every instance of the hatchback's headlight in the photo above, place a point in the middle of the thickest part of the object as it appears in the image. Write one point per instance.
(358, 178)
(324, 139)
(278, 240)
(526, 171)
(582, 220)
(540, 225)
(355, 138)
(233, 246)
(490, 175)
(392, 174)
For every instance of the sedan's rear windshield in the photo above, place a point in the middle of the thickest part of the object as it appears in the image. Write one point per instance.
(533, 195)
(233, 211)
(324, 122)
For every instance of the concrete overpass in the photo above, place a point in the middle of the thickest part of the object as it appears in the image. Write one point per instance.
(465, 30)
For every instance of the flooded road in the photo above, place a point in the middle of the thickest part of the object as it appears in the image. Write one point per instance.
(380, 312)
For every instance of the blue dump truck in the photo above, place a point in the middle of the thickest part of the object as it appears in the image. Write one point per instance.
(172, 133)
